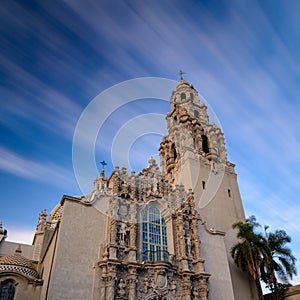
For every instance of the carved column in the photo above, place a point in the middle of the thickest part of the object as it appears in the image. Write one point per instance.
(132, 230)
(203, 288)
(102, 288)
(186, 288)
(195, 235)
(131, 284)
(110, 283)
(197, 254)
(110, 288)
(132, 242)
(181, 242)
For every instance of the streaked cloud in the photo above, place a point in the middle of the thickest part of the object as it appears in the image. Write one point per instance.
(49, 172)
(242, 56)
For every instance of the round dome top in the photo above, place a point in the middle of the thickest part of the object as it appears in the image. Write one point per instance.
(17, 260)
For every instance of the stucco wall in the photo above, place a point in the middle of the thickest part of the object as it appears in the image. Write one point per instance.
(24, 290)
(214, 253)
(9, 248)
(82, 230)
(221, 211)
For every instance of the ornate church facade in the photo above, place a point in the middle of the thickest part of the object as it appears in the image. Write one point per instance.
(164, 233)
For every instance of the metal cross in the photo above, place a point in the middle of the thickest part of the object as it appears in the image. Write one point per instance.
(103, 163)
(181, 73)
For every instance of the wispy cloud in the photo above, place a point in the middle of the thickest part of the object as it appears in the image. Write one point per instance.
(39, 103)
(239, 59)
(49, 172)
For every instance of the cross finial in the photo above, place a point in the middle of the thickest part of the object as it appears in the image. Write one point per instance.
(103, 163)
(181, 73)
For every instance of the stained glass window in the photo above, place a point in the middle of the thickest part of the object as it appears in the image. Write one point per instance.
(154, 236)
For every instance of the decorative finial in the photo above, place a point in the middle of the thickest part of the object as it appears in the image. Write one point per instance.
(18, 250)
(181, 73)
(103, 163)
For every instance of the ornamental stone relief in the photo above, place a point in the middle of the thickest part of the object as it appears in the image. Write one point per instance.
(158, 284)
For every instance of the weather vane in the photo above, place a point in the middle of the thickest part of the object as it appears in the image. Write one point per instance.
(103, 163)
(181, 73)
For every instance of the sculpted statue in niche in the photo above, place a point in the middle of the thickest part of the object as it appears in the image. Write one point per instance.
(154, 182)
(146, 285)
(122, 233)
(196, 293)
(121, 290)
(188, 245)
(173, 287)
(186, 224)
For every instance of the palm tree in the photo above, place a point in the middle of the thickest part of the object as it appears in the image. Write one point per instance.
(281, 263)
(251, 251)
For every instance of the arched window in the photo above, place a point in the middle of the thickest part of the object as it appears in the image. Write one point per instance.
(183, 96)
(174, 151)
(154, 236)
(205, 146)
(7, 290)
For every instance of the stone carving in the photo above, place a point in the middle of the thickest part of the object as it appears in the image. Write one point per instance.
(188, 245)
(161, 280)
(121, 254)
(42, 220)
(121, 289)
(173, 288)
(151, 280)
(195, 293)
(122, 233)
(146, 285)
(123, 210)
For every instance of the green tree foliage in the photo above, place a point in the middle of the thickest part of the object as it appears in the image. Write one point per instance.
(265, 257)
(250, 251)
(281, 264)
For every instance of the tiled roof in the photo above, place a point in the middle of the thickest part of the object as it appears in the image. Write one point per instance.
(17, 260)
(19, 264)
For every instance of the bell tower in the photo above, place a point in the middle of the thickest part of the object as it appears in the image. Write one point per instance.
(191, 138)
(193, 154)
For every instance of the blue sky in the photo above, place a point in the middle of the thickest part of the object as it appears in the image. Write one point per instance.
(56, 56)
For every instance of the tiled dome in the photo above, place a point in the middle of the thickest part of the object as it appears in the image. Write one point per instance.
(56, 213)
(18, 260)
(18, 263)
